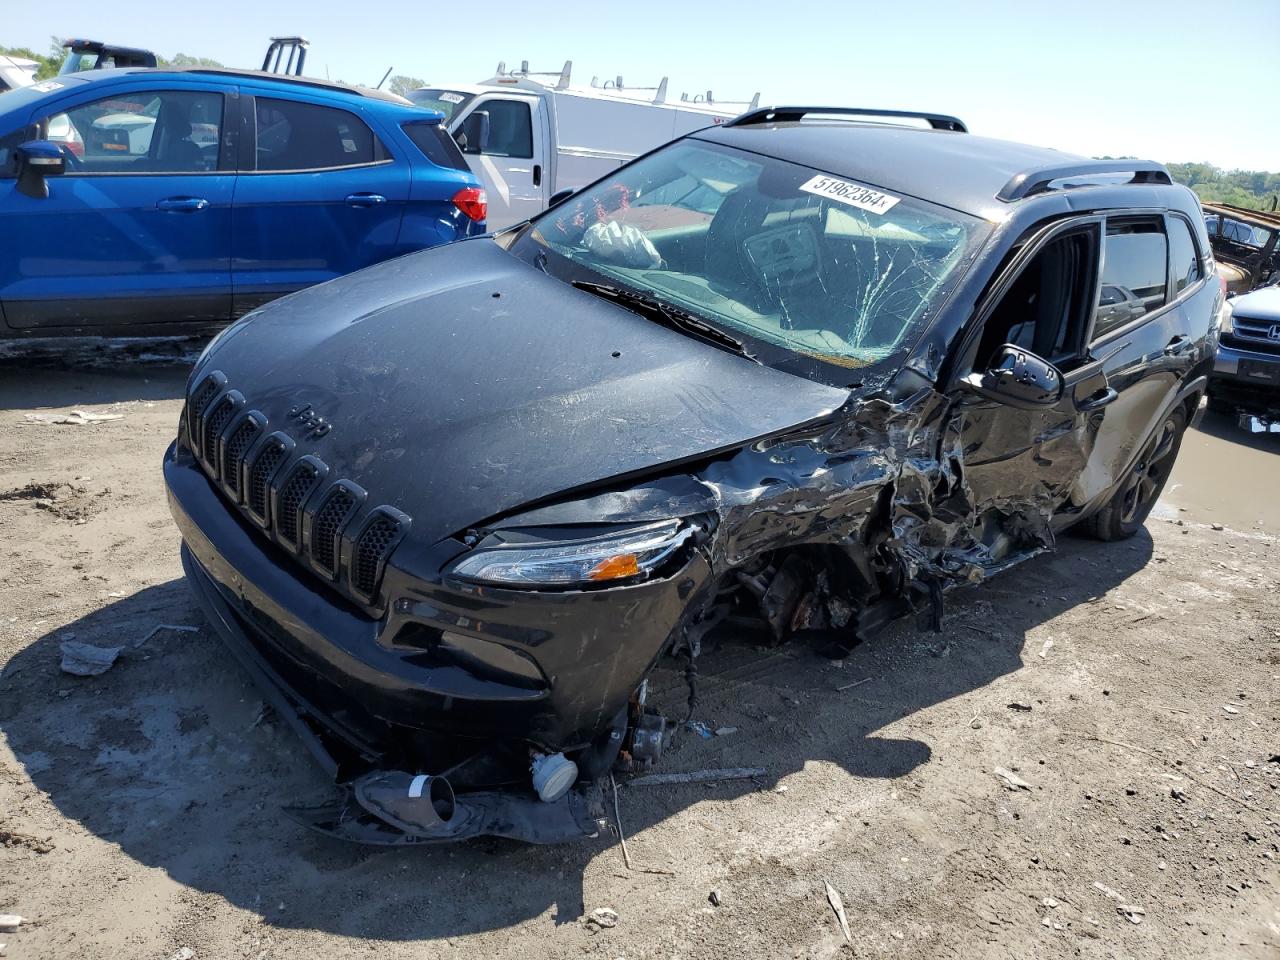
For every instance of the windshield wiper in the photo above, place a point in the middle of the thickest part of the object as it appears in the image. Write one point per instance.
(667, 315)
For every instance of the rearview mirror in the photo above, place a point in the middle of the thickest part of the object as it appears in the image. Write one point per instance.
(1019, 378)
(473, 135)
(38, 159)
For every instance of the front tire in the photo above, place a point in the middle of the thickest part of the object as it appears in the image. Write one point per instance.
(1127, 511)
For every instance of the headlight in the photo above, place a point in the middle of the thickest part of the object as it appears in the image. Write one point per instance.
(1224, 317)
(523, 558)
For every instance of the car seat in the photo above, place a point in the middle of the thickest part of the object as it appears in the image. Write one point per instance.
(171, 147)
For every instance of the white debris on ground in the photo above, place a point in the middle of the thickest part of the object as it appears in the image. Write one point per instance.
(86, 660)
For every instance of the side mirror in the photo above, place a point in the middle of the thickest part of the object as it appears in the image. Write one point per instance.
(1018, 378)
(560, 196)
(473, 135)
(38, 159)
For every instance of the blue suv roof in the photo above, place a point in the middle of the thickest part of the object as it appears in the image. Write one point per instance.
(31, 95)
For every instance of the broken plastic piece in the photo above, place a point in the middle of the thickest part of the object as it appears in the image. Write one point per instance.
(415, 804)
(578, 814)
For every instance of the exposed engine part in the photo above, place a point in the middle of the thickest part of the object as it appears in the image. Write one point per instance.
(649, 735)
(601, 756)
(552, 776)
(925, 596)
(782, 597)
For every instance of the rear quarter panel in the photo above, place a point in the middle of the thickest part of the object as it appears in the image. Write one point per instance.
(430, 217)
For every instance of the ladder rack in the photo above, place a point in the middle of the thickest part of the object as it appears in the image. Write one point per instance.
(564, 74)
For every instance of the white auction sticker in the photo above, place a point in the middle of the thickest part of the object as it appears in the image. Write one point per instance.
(47, 86)
(855, 195)
(452, 97)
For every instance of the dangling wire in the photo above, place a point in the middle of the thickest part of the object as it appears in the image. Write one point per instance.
(691, 678)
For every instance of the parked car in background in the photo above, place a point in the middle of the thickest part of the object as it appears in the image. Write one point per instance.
(1246, 373)
(1246, 244)
(96, 55)
(529, 136)
(800, 368)
(17, 72)
(172, 201)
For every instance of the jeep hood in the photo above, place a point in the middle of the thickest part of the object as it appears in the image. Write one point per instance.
(461, 383)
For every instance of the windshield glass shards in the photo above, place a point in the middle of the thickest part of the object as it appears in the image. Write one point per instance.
(804, 264)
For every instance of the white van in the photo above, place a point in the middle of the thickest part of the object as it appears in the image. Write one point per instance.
(17, 72)
(528, 138)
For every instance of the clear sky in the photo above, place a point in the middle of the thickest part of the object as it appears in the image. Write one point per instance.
(1171, 81)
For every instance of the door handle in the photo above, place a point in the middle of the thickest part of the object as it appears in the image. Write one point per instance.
(1178, 346)
(365, 199)
(1098, 400)
(537, 174)
(183, 204)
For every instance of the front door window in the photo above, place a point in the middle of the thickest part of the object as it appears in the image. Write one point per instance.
(156, 132)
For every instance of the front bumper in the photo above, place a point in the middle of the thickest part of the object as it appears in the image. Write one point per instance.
(1246, 378)
(447, 670)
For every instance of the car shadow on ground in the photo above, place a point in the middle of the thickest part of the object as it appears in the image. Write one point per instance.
(70, 381)
(169, 757)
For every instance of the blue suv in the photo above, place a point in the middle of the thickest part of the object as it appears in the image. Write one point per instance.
(143, 201)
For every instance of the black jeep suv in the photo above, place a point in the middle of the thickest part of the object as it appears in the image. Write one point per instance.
(804, 366)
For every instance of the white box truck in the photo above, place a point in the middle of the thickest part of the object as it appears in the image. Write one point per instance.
(529, 136)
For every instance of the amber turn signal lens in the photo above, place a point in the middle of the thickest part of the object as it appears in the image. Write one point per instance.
(614, 568)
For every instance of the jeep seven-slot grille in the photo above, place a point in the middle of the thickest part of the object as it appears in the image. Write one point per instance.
(233, 455)
(371, 552)
(196, 407)
(272, 481)
(260, 474)
(326, 529)
(214, 424)
(292, 495)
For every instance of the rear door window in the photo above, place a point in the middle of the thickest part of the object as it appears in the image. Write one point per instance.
(1135, 261)
(436, 145)
(1183, 255)
(293, 135)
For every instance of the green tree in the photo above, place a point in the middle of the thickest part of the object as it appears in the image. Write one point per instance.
(1256, 189)
(402, 85)
(185, 60)
(50, 63)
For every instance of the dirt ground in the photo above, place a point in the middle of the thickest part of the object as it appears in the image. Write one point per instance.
(1132, 687)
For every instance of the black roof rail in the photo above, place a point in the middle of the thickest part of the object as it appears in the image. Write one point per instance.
(939, 121)
(294, 79)
(1030, 182)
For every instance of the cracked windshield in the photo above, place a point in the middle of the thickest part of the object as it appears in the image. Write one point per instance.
(799, 260)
